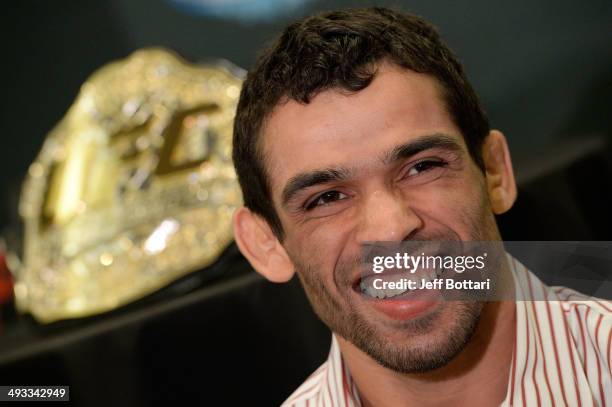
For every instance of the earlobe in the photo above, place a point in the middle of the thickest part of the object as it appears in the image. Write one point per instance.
(501, 184)
(261, 247)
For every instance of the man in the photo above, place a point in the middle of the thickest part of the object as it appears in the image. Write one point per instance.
(360, 126)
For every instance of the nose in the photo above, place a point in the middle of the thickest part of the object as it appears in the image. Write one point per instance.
(386, 216)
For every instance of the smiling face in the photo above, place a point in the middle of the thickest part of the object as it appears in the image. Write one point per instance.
(383, 164)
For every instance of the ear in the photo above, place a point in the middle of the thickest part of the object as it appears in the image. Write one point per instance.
(501, 184)
(261, 247)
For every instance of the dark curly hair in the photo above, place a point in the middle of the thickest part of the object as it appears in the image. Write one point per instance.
(341, 49)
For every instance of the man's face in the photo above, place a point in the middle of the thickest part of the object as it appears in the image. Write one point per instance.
(383, 164)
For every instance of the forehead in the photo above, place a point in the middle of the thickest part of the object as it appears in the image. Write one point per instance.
(338, 129)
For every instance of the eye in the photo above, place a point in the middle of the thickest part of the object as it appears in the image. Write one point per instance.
(426, 165)
(325, 199)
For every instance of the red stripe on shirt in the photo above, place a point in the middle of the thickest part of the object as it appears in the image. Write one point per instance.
(609, 343)
(571, 352)
(535, 313)
(556, 352)
(603, 400)
(513, 372)
(584, 349)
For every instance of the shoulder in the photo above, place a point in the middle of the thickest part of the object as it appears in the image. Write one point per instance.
(571, 304)
(589, 318)
(571, 335)
(568, 322)
(586, 322)
(570, 299)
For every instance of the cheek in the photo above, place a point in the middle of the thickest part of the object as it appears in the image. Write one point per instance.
(323, 248)
(458, 204)
(325, 239)
(315, 250)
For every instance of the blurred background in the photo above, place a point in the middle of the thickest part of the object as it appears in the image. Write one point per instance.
(543, 70)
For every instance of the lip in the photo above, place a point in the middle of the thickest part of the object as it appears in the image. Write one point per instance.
(414, 305)
(404, 307)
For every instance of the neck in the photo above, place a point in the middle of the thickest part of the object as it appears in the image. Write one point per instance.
(478, 376)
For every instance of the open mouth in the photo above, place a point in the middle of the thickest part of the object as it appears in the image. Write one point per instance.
(396, 284)
(404, 297)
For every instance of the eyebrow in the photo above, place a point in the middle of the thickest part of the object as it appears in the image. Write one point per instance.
(407, 150)
(439, 141)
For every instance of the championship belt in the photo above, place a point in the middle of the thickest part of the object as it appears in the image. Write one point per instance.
(133, 189)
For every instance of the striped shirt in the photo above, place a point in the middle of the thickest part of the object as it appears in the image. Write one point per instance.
(562, 353)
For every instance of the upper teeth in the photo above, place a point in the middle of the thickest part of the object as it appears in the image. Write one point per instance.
(367, 286)
(381, 293)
